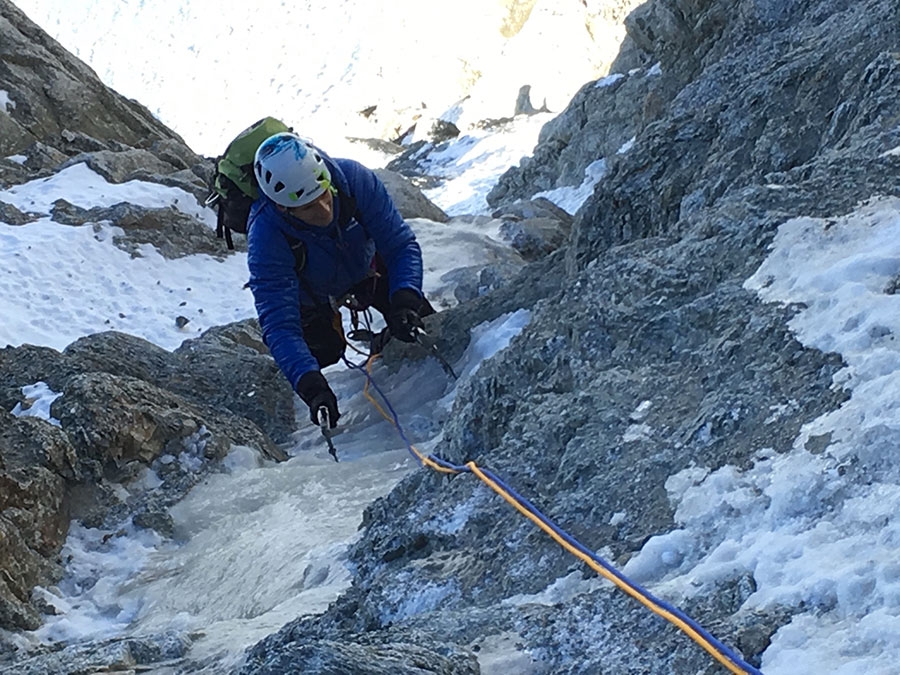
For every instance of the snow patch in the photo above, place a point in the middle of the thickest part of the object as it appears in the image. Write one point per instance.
(6, 103)
(39, 397)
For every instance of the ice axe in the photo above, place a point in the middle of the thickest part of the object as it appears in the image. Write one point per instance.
(433, 350)
(327, 431)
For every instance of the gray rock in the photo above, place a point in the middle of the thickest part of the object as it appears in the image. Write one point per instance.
(57, 92)
(442, 130)
(119, 412)
(115, 419)
(173, 233)
(327, 657)
(408, 199)
(119, 655)
(36, 461)
(155, 516)
(412, 164)
(534, 238)
(13, 172)
(123, 165)
(539, 207)
(763, 109)
(227, 367)
(472, 282)
(10, 215)
(195, 181)
(43, 158)
(33, 526)
(524, 105)
(760, 109)
(602, 117)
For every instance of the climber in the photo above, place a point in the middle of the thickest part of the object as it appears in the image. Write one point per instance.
(323, 234)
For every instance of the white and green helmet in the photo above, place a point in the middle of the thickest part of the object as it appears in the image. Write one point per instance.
(290, 171)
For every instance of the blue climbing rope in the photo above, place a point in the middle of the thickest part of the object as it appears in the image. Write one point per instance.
(717, 649)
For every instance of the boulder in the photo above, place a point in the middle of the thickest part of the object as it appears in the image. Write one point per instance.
(34, 517)
(408, 199)
(173, 233)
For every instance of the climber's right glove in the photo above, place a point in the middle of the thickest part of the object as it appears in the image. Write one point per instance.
(314, 390)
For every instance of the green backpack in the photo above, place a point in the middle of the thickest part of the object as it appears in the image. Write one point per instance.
(233, 187)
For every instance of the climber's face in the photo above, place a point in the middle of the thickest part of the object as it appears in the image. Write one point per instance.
(319, 212)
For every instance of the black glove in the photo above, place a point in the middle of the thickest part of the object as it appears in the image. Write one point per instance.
(315, 392)
(403, 317)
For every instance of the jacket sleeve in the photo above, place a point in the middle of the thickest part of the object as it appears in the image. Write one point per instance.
(276, 293)
(393, 238)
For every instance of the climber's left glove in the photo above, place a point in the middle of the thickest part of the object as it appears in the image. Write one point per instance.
(403, 318)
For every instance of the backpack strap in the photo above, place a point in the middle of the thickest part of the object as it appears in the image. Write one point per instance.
(222, 230)
(349, 210)
(214, 199)
(298, 250)
(217, 199)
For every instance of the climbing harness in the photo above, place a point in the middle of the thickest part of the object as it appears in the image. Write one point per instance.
(718, 650)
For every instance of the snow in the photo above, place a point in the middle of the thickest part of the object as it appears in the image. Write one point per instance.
(87, 285)
(6, 103)
(569, 198)
(608, 81)
(808, 527)
(795, 521)
(474, 161)
(88, 600)
(41, 398)
(562, 590)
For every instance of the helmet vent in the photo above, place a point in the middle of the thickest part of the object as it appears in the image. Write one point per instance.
(279, 186)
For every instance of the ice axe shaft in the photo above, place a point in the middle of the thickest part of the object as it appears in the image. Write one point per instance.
(327, 431)
(419, 333)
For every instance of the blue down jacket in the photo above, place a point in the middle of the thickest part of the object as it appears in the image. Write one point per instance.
(336, 259)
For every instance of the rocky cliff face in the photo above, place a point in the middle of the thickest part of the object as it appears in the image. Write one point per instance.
(52, 97)
(724, 120)
(755, 112)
